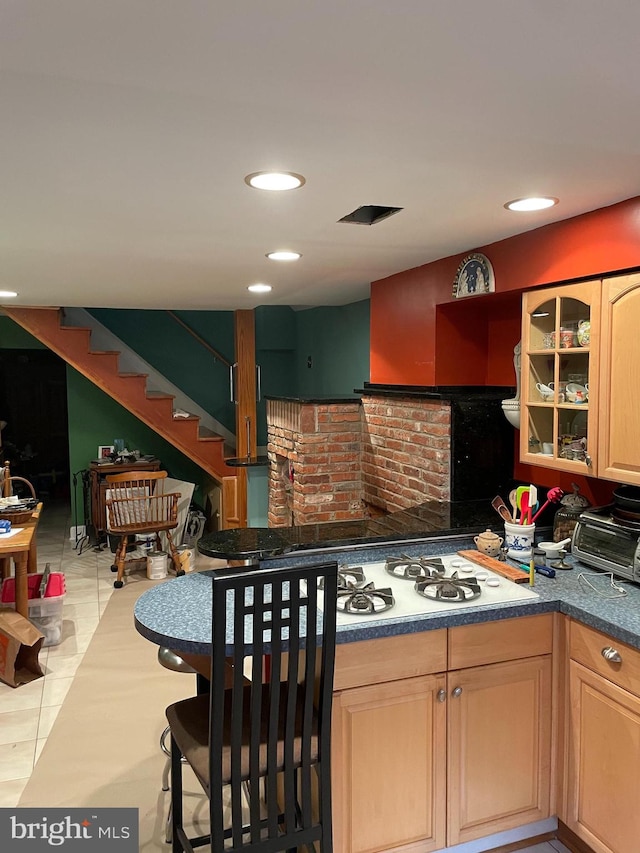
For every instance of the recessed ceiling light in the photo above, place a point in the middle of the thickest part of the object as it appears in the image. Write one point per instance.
(531, 203)
(7, 294)
(259, 288)
(283, 256)
(275, 181)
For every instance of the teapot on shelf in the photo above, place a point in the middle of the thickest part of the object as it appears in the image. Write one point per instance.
(488, 543)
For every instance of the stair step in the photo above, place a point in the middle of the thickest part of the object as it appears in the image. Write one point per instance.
(159, 395)
(211, 438)
(134, 375)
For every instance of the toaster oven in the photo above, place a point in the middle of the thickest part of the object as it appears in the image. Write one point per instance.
(606, 542)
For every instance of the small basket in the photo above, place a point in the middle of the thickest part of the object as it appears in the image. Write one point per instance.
(23, 514)
(17, 518)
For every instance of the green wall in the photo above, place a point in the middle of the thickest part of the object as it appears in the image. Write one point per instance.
(188, 364)
(336, 339)
(337, 342)
(13, 336)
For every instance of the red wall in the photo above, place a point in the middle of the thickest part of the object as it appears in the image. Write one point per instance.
(420, 335)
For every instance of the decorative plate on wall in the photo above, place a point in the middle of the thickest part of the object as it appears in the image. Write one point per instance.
(474, 276)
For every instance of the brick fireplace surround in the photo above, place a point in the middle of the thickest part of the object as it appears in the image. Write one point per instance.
(331, 460)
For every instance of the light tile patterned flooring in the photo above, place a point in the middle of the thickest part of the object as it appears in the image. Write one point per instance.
(27, 713)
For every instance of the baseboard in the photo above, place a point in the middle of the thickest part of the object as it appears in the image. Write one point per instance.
(571, 840)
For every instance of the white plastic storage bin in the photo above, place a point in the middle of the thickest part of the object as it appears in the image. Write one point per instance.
(45, 612)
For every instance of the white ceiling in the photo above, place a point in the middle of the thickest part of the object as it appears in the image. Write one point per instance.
(127, 127)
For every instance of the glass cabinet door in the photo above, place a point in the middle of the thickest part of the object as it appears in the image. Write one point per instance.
(557, 427)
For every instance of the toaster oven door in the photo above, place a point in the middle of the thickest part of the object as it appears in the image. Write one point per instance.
(613, 550)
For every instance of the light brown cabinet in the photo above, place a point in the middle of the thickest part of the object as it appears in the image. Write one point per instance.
(559, 377)
(586, 335)
(390, 757)
(499, 717)
(603, 741)
(410, 754)
(618, 448)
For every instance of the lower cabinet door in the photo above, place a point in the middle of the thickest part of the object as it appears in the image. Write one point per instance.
(604, 763)
(499, 747)
(389, 766)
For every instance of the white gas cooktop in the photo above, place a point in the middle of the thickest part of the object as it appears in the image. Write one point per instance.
(493, 589)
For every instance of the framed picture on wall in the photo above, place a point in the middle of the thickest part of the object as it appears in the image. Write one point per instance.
(474, 276)
(105, 451)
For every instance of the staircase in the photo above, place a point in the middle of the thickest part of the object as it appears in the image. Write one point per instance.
(155, 409)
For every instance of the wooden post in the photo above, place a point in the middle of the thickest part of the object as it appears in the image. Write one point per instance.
(245, 397)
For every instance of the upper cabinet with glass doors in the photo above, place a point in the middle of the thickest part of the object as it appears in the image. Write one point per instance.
(559, 396)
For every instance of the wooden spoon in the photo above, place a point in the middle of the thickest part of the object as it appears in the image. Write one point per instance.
(514, 504)
(502, 509)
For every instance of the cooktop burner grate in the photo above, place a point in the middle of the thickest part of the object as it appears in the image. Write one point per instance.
(413, 568)
(451, 589)
(356, 598)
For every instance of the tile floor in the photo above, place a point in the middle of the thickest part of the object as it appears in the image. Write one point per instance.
(28, 712)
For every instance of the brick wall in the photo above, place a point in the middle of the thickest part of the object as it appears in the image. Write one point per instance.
(406, 451)
(327, 461)
(314, 454)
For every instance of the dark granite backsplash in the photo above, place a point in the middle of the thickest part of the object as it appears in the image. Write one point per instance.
(430, 519)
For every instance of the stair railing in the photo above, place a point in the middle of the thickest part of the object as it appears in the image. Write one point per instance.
(200, 340)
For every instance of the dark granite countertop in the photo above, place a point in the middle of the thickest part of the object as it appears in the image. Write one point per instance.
(433, 518)
(439, 392)
(247, 461)
(327, 399)
(435, 392)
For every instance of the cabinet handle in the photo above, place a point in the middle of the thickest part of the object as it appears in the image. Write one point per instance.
(457, 691)
(441, 695)
(611, 654)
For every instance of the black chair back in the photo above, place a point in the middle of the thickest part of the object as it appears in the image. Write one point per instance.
(278, 626)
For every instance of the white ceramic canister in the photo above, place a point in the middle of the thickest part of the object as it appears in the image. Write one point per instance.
(156, 565)
(186, 558)
(519, 540)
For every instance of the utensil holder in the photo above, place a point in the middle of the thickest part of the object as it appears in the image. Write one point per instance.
(519, 540)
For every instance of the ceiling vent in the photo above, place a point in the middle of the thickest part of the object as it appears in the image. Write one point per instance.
(369, 214)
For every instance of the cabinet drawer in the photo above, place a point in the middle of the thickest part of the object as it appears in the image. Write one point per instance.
(492, 642)
(586, 646)
(390, 658)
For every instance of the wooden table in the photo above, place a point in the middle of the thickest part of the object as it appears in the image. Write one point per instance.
(22, 548)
